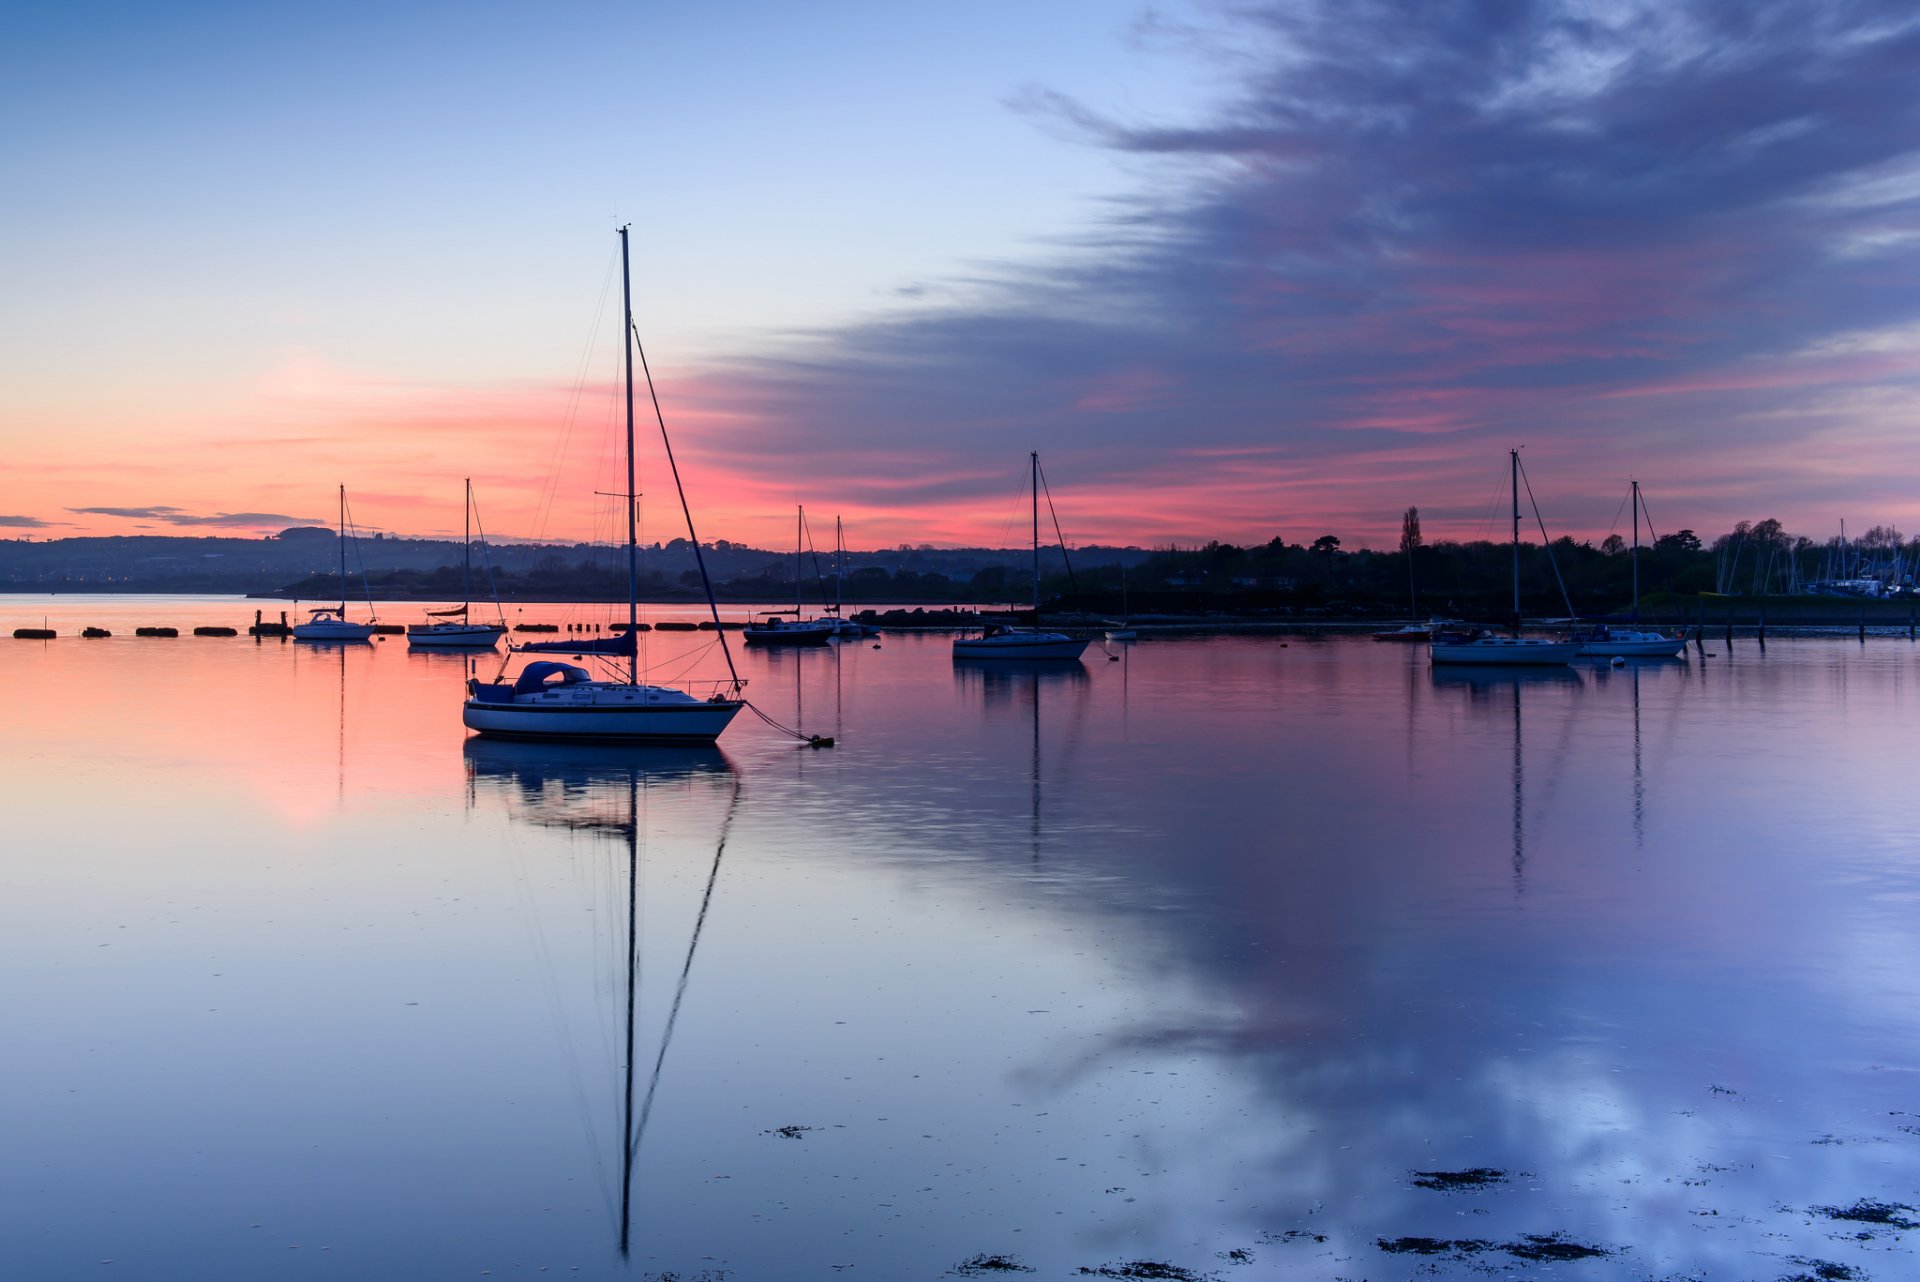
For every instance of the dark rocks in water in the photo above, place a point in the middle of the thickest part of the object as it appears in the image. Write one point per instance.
(1823, 1271)
(216, 632)
(95, 632)
(34, 634)
(985, 1263)
(1478, 1177)
(156, 632)
(788, 1132)
(1293, 1235)
(1892, 1214)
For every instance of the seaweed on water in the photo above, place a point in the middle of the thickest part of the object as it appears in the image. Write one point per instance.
(1540, 1248)
(1148, 1269)
(1293, 1235)
(1553, 1246)
(1478, 1177)
(1866, 1211)
(788, 1132)
(1824, 1271)
(1433, 1246)
(985, 1263)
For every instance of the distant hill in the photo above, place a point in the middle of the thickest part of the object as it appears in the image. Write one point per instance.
(303, 561)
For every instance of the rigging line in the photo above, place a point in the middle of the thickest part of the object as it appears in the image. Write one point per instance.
(819, 579)
(486, 562)
(699, 557)
(1545, 541)
(359, 558)
(543, 510)
(1064, 559)
(1615, 527)
(686, 969)
(811, 740)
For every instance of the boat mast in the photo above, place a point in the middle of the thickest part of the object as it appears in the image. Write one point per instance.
(1635, 612)
(799, 538)
(633, 541)
(342, 541)
(466, 554)
(1034, 459)
(839, 566)
(1514, 478)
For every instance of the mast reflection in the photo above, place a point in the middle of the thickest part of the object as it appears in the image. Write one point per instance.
(591, 788)
(1483, 688)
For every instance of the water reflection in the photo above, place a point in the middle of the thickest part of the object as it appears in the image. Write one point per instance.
(591, 788)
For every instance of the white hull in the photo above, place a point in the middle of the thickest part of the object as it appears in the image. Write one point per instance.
(1504, 652)
(604, 711)
(453, 636)
(1634, 645)
(1019, 645)
(332, 630)
(1122, 634)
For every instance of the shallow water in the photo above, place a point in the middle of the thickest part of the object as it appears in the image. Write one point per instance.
(1198, 957)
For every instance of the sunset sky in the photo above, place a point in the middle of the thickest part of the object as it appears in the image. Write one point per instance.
(1236, 270)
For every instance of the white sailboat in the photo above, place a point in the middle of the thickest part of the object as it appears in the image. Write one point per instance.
(454, 629)
(330, 622)
(834, 620)
(774, 627)
(551, 700)
(1486, 647)
(1606, 641)
(1023, 643)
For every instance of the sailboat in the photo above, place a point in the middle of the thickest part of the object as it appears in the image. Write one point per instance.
(773, 627)
(330, 622)
(1633, 643)
(836, 622)
(452, 629)
(1485, 646)
(553, 700)
(1023, 643)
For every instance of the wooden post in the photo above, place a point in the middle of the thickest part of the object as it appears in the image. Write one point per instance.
(1763, 623)
(1729, 623)
(1700, 626)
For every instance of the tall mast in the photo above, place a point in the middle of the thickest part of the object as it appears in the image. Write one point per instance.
(466, 551)
(1514, 471)
(1635, 613)
(799, 537)
(839, 567)
(342, 541)
(1035, 468)
(633, 541)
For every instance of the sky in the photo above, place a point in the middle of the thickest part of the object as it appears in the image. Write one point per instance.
(1236, 270)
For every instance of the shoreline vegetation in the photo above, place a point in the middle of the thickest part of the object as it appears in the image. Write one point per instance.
(1756, 576)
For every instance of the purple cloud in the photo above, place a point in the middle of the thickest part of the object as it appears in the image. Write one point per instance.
(1632, 237)
(24, 522)
(176, 516)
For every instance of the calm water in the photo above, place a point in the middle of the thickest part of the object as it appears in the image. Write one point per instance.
(1199, 957)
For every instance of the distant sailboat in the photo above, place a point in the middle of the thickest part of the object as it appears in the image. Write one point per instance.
(1484, 646)
(1023, 643)
(551, 700)
(773, 627)
(452, 629)
(330, 622)
(1607, 641)
(834, 620)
